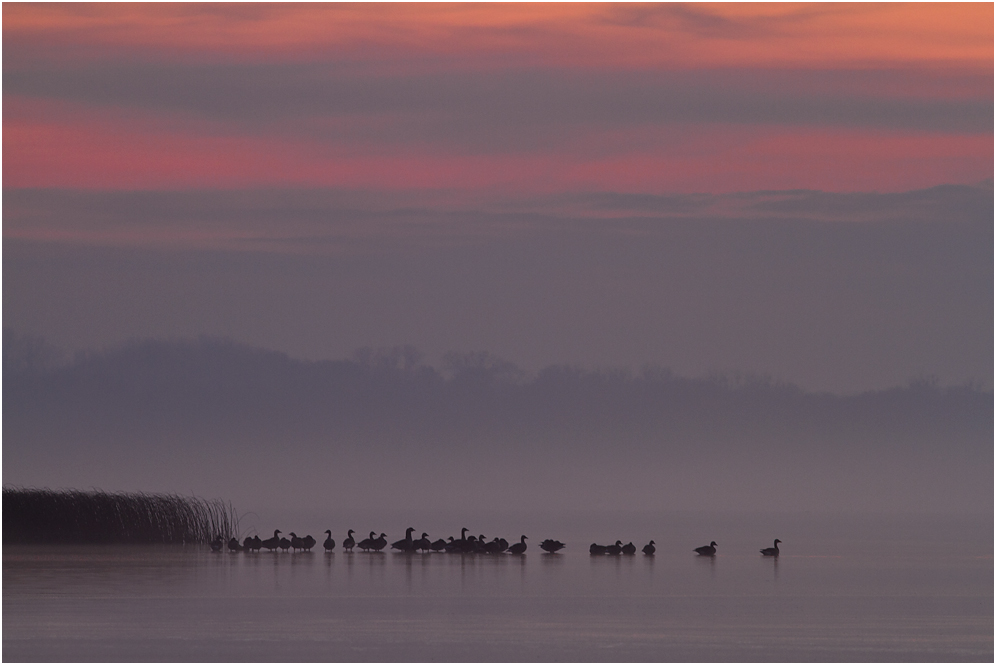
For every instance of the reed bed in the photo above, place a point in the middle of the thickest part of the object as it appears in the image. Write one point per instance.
(75, 516)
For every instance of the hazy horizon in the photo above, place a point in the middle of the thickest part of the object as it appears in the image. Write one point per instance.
(676, 256)
(382, 431)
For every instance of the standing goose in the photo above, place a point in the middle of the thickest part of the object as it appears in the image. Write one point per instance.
(233, 544)
(649, 548)
(307, 543)
(462, 545)
(439, 545)
(423, 544)
(257, 544)
(217, 544)
(329, 544)
(707, 550)
(629, 548)
(379, 543)
(272, 543)
(406, 544)
(771, 551)
(367, 543)
(519, 547)
(247, 544)
(284, 544)
(349, 543)
(296, 542)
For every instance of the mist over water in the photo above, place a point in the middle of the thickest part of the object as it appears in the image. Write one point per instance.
(384, 432)
(882, 501)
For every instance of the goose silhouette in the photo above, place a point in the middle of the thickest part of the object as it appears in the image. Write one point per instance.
(771, 551)
(217, 544)
(257, 544)
(367, 543)
(615, 549)
(552, 546)
(296, 543)
(379, 543)
(329, 544)
(519, 547)
(597, 549)
(247, 544)
(349, 543)
(406, 544)
(233, 544)
(284, 544)
(272, 543)
(707, 550)
(649, 548)
(307, 543)
(439, 545)
(463, 545)
(423, 544)
(629, 548)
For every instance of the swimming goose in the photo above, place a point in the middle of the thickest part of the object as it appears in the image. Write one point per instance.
(614, 549)
(349, 543)
(552, 546)
(519, 547)
(649, 548)
(629, 548)
(217, 544)
(771, 551)
(329, 544)
(596, 549)
(707, 550)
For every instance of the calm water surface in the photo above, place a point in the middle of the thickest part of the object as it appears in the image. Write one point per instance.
(844, 589)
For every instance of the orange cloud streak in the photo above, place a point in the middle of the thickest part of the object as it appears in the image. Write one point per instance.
(601, 35)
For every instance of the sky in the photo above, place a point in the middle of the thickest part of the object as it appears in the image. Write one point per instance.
(797, 189)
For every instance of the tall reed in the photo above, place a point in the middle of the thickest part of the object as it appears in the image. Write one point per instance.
(75, 516)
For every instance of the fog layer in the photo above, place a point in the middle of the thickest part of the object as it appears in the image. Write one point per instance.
(383, 430)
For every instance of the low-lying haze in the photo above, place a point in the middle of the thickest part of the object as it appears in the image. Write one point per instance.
(382, 430)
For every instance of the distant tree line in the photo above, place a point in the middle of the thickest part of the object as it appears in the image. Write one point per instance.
(210, 385)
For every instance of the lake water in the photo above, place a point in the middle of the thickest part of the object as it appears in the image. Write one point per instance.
(845, 588)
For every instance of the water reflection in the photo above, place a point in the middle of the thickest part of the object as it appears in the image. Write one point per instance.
(111, 603)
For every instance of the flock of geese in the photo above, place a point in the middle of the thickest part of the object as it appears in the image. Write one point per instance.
(463, 545)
